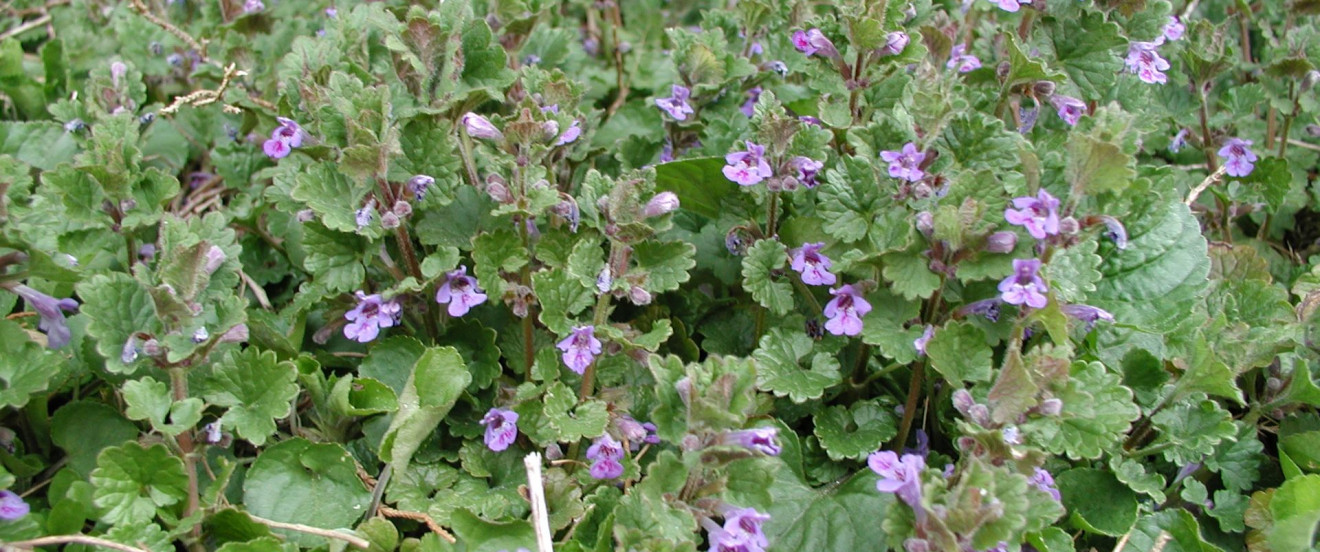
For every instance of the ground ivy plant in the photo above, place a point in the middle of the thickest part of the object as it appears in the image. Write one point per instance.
(917, 275)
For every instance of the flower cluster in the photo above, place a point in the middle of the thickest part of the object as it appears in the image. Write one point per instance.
(460, 292)
(845, 311)
(580, 348)
(1239, 160)
(605, 454)
(370, 315)
(284, 139)
(741, 531)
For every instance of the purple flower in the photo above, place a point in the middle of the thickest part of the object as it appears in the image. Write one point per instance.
(1146, 63)
(901, 476)
(920, 342)
(667, 151)
(1039, 215)
(480, 127)
(501, 428)
(419, 184)
(253, 6)
(1240, 159)
(962, 61)
(1179, 140)
(1087, 314)
(747, 167)
(759, 439)
(748, 107)
(1114, 230)
(363, 216)
(571, 135)
(814, 267)
(662, 203)
(580, 348)
(369, 316)
(1070, 109)
(814, 42)
(1173, 30)
(807, 168)
(895, 43)
(676, 105)
(845, 311)
(722, 539)
(1010, 5)
(284, 138)
(52, 314)
(605, 454)
(746, 521)
(906, 163)
(1044, 481)
(460, 291)
(1024, 287)
(12, 506)
(989, 308)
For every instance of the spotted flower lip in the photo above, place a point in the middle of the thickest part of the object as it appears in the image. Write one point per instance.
(460, 291)
(1039, 215)
(52, 314)
(1143, 60)
(1024, 286)
(761, 439)
(1070, 109)
(748, 522)
(370, 315)
(605, 453)
(1240, 159)
(501, 428)
(905, 164)
(747, 167)
(580, 348)
(814, 267)
(895, 43)
(676, 105)
(845, 311)
(1042, 480)
(807, 170)
(284, 139)
(812, 41)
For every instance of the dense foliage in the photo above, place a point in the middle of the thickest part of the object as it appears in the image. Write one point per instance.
(748, 274)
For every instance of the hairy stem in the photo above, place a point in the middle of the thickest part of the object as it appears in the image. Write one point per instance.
(179, 387)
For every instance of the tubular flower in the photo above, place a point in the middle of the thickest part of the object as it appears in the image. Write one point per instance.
(1024, 287)
(845, 311)
(580, 348)
(501, 428)
(460, 291)
(370, 315)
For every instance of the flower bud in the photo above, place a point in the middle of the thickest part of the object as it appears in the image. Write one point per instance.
(130, 351)
(75, 125)
(1309, 81)
(201, 335)
(477, 126)
(1000, 242)
(1003, 69)
(895, 43)
(1068, 226)
(684, 388)
(979, 414)
(553, 452)
(1313, 130)
(236, 334)
(1273, 385)
(662, 203)
(389, 220)
(117, 71)
(499, 193)
(604, 280)
(305, 215)
(926, 223)
(1114, 230)
(1043, 88)
(551, 129)
(639, 296)
(1051, 407)
(402, 209)
(151, 347)
(419, 184)
(963, 401)
(214, 258)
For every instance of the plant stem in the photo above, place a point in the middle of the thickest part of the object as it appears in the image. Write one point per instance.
(910, 407)
(772, 216)
(179, 387)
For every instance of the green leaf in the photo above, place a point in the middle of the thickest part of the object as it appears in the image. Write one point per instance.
(571, 420)
(148, 399)
(1238, 461)
(479, 535)
(959, 352)
(1134, 474)
(44, 145)
(885, 328)
(1183, 533)
(1097, 412)
(1270, 181)
(562, 298)
(257, 389)
(779, 369)
(700, 185)
(26, 367)
(909, 274)
(118, 306)
(1153, 283)
(493, 252)
(764, 259)
(1192, 430)
(1023, 69)
(331, 195)
(665, 264)
(362, 397)
(1097, 502)
(334, 258)
(856, 431)
(84, 428)
(1086, 49)
(1296, 511)
(1014, 392)
(853, 206)
(437, 379)
(297, 481)
(976, 141)
(1096, 165)
(132, 482)
(442, 491)
(835, 517)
